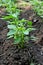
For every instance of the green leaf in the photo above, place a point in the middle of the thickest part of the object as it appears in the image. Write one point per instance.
(26, 32)
(11, 32)
(11, 26)
(17, 40)
(15, 15)
(10, 37)
(30, 23)
(31, 29)
(34, 38)
(23, 20)
(7, 17)
(32, 64)
(26, 38)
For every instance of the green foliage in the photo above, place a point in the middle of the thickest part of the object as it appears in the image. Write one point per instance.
(19, 30)
(6, 3)
(33, 64)
(38, 7)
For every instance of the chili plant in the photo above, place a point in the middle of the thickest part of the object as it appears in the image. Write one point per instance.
(19, 30)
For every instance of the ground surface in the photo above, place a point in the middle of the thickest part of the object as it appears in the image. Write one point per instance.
(11, 55)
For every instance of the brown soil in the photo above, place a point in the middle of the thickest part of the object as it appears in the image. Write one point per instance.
(33, 51)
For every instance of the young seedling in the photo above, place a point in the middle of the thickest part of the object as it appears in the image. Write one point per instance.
(19, 30)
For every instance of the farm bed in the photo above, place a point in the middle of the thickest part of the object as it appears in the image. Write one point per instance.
(10, 54)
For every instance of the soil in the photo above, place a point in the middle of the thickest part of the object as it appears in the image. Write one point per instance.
(10, 54)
